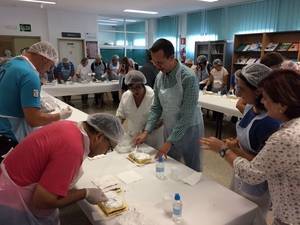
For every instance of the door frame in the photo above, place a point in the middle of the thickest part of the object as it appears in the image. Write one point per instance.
(72, 39)
(19, 36)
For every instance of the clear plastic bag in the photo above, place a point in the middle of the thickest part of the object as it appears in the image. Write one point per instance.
(125, 145)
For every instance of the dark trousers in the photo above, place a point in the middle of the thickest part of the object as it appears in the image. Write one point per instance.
(99, 99)
(84, 99)
(115, 96)
(6, 144)
(67, 99)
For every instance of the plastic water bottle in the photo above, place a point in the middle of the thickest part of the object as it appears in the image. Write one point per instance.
(177, 209)
(160, 168)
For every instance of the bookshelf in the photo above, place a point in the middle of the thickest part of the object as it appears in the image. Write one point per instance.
(249, 48)
(215, 50)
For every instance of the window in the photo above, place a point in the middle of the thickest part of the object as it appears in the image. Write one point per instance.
(127, 35)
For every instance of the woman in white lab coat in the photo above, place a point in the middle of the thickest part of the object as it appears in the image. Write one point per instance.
(135, 105)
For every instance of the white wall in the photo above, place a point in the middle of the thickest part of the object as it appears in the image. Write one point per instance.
(11, 17)
(67, 21)
(151, 31)
(46, 23)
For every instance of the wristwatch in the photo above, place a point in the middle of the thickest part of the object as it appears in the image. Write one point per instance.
(223, 151)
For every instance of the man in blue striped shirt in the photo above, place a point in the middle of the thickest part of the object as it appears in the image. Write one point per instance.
(176, 93)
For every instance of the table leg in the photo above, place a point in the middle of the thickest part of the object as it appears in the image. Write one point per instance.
(219, 123)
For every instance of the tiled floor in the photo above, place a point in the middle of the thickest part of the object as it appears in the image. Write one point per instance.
(214, 166)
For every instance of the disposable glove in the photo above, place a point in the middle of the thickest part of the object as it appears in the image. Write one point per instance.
(95, 195)
(65, 113)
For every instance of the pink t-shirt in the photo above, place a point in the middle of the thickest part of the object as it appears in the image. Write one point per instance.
(50, 156)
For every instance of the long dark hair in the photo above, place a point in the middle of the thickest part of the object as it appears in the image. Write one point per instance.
(283, 86)
(124, 65)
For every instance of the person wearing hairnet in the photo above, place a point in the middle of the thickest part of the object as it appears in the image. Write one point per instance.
(135, 106)
(176, 93)
(114, 64)
(65, 71)
(19, 79)
(252, 130)
(218, 77)
(202, 70)
(39, 175)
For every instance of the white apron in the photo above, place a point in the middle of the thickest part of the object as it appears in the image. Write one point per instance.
(19, 126)
(257, 193)
(14, 199)
(188, 147)
(171, 101)
(14, 204)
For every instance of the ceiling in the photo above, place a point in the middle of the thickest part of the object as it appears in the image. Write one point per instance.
(116, 7)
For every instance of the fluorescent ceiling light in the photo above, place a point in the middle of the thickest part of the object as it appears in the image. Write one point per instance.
(122, 20)
(140, 11)
(207, 0)
(106, 21)
(108, 24)
(36, 1)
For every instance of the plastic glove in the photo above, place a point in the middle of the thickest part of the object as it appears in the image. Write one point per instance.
(65, 113)
(95, 195)
(204, 89)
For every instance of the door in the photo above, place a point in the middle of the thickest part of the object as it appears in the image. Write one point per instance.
(71, 49)
(16, 43)
(23, 42)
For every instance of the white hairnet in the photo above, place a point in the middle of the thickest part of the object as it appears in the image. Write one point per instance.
(44, 49)
(131, 62)
(107, 124)
(254, 73)
(115, 57)
(201, 59)
(218, 62)
(135, 77)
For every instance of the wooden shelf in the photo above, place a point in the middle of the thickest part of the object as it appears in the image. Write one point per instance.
(214, 50)
(264, 39)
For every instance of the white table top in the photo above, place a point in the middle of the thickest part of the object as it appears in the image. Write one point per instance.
(206, 203)
(219, 103)
(80, 88)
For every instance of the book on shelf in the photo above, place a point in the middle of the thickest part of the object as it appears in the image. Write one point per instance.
(254, 47)
(213, 51)
(246, 48)
(294, 47)
(271, 47)
(240, 48)
(284, 46)
(241, 60)
(251, 60)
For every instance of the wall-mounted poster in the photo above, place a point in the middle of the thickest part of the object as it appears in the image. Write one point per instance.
(91, 49)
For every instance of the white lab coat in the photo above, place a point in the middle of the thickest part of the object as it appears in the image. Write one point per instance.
(83, 71)
(137, 116)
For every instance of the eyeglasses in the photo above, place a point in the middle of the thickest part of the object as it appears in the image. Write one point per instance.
(135, 87)
(111, 146)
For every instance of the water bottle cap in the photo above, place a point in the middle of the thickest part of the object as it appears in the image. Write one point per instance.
(177, 197)
(160, 159)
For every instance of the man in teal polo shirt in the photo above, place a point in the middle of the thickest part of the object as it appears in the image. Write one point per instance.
(20, 94)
